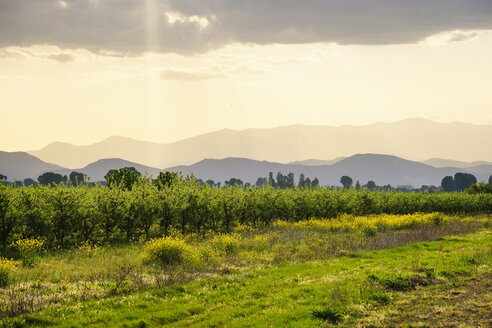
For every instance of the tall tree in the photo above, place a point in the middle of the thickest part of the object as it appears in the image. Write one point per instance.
(490, 180)
(29, 182)
(166, 179)
(302, 181)
(463, 181)
(447, 184)
(271, 180)
(77, 178)
(124, 178)
(234, 182)
(346, 181)
(371, 185)
(357, 185)
(50, 178)
(261, 181)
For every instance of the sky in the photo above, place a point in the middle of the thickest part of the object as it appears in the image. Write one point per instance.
(79, 71)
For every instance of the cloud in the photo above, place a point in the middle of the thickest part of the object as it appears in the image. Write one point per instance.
(189, 76)
(194, 26)
(61, 58)
(451, 36)
(44, 52)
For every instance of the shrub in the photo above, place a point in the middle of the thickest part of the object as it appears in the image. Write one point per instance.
(228, 244)
(29, 249)
(169, 251)
(89, 249)
(6, 267)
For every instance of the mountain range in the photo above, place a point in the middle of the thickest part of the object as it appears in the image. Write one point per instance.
(415, 139)
(324, 152)
(383, 169)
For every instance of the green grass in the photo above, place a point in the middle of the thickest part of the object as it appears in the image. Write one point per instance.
(351, 289)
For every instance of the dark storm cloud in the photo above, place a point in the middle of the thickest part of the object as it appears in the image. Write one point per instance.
(122, 26)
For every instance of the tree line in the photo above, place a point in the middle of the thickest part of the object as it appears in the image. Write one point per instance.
(460, 181)
(132, 207)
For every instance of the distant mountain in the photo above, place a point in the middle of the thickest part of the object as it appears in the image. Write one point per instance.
(413, 138)
(317, 162)
(97, 170)
(18, 166)
(438, 162)
(479, 170)
(383, 169)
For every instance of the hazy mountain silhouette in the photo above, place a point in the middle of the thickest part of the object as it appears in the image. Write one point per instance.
(438, 162)
(97, 170)
(18, 166)
(412, 138)
(383, 169)
(317, 162)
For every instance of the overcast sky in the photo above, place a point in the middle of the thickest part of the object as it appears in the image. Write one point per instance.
(161, 70)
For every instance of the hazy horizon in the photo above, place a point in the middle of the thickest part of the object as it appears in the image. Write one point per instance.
(78, 71)
(237, 130)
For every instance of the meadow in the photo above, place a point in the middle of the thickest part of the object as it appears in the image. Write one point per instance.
(190, 255)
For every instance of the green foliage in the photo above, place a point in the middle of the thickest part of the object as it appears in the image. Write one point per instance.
(480, 188)
(460, 182)
(227, 244)
(7, 220)
(328, 314)
(123, 178)
(65, 216)
(447, 184)
(464, 180)
(50, 179)
(29, 249)
(371, 185)
(346, 181)
(77, 178)
(233, 182)
(166, 179)
(6, 267)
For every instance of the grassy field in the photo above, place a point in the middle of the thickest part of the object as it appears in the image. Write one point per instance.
(420, 270)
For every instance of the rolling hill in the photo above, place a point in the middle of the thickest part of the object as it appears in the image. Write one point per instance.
(97, 170)
(383, 169)
(438, 162)
(18, 166)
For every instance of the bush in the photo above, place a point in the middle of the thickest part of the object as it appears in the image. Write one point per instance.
(228, 244)
(169, 251)
(88, 249)
(6, 267)
(29, 249)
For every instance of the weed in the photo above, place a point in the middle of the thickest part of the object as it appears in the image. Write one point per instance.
(328, 314)
(405, 284)
(122, 284)
(6, 267)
